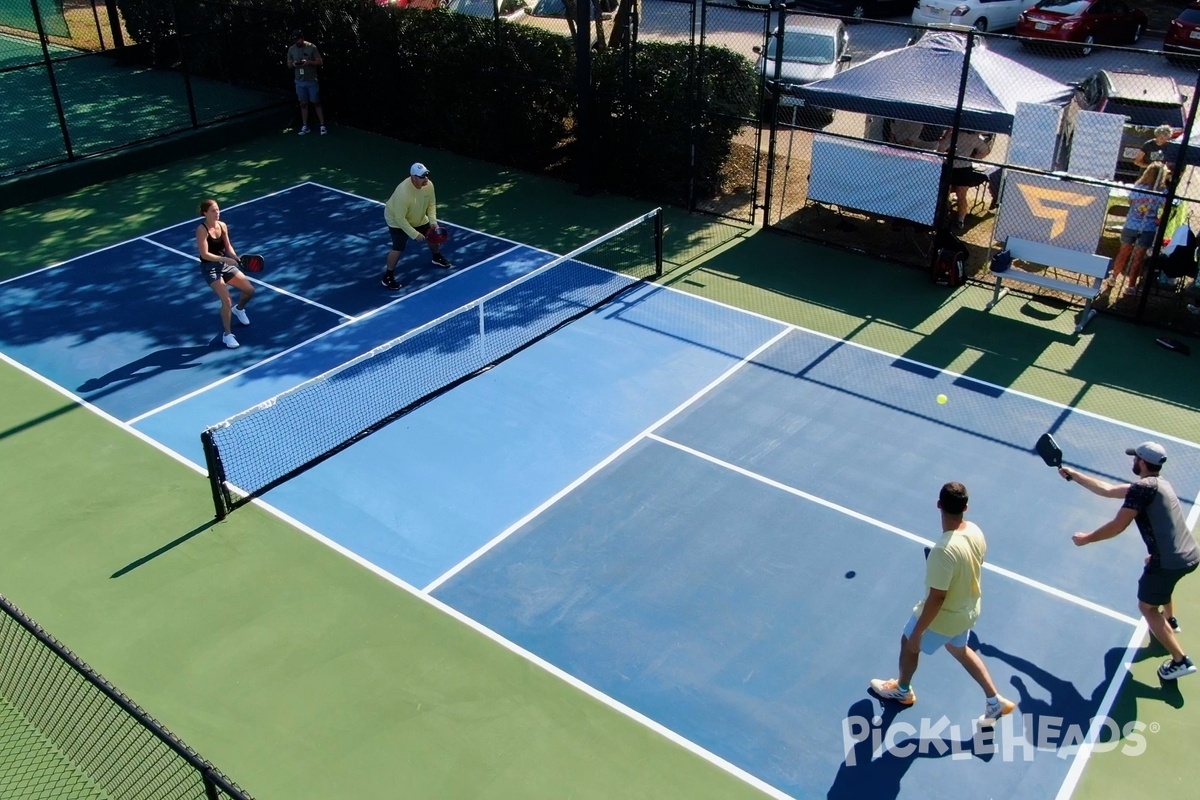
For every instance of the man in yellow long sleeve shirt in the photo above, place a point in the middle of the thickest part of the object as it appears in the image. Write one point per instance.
(410, 212)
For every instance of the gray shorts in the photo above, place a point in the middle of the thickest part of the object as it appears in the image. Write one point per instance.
(932, 642)
(308, 91)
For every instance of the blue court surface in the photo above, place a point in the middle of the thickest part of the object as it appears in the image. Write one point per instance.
(712, 520)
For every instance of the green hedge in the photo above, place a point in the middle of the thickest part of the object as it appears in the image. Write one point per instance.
(500, 91)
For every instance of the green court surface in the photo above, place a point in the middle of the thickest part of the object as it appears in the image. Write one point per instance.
(301, 674)
(105, 104)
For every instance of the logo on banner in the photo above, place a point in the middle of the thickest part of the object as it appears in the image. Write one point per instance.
(1054, 205)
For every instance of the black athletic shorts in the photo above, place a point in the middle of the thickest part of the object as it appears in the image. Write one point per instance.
(400, 238)
(1156, 584)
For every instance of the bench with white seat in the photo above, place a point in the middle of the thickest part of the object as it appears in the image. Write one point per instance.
(1088, 273)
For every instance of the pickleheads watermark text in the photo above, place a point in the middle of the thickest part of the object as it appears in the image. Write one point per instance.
(1012, 738)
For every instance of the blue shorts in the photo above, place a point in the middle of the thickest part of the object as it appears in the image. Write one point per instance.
(308, 91)
(1140, 238)
(400, 238)
(932, 642)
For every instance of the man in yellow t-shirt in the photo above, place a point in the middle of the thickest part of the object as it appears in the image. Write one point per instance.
(410, 213)
(949, 611)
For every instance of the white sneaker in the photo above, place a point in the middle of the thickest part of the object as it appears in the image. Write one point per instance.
(240, 315)
(323, 131)
(304, 131)
(230, 341)
(993, 712)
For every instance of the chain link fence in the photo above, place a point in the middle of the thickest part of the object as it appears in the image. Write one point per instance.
(67, 732)
(856, 157)
(81, 79)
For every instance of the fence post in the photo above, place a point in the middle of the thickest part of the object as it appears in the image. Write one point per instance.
(114, 24)
(952, 151)
(1151, 262)
(772, 94)
(58, 106)
(583, 89)
(183, 68)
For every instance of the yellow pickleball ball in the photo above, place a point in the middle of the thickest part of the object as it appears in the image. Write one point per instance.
(942, 399)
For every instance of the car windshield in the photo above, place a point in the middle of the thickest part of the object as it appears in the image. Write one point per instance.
(806, 48)
(1069, 7)
(1191, 15)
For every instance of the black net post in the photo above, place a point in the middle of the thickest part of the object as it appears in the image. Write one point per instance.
(658, 243)
(216, 475)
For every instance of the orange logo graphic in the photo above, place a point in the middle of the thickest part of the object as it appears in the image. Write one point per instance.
(1054, 205)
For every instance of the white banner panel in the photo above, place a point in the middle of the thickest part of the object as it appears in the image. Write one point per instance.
(1045, 209)
(1034, 136)
(876, 178)
(1096, 144)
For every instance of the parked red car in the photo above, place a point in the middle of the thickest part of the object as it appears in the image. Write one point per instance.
(414, 3)
(1088, 22)
(1182, 42)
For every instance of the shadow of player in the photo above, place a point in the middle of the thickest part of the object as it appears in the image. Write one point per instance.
(864, 773)
(1064, 719)
(168, 359)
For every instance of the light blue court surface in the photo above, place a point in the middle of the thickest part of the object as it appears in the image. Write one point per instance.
(711, 518)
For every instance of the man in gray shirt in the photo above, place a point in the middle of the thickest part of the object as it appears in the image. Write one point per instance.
(304, 57)
(1152, 504)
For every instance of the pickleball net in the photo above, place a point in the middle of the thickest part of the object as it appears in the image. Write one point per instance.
(276, 440)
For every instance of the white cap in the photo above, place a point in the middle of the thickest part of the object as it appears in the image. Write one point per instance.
(419, 170)
(1152, 453)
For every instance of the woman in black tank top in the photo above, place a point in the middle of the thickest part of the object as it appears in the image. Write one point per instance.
(219, 266)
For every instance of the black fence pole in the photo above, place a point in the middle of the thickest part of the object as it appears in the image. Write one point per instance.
(1152, 256)
(99, 30)
(114, 23)
(583, 87)
(771, 94)
(181, 39)
(58, 106)
(952, 151)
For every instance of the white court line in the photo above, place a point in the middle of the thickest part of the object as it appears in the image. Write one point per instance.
(448, 222)
(270, 286)
(353, 320)
(478, 627)
(534, 659)
(1101, 717)
(1019, 578)
(956, 376)
(133, 239)
(162, 448)
(445, 576)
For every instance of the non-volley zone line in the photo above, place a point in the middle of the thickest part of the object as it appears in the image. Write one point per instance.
(881, 525)
(350, 320)
(340, 314)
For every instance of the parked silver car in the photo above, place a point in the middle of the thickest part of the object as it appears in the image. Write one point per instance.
(810, 49)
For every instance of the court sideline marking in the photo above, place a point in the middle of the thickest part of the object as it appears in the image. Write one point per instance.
(271, 286)
(570, 487)
(473, 624)
(690, 746)
(880, 524)
(311, 339)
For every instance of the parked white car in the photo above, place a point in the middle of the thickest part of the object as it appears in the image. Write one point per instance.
(983, 15)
